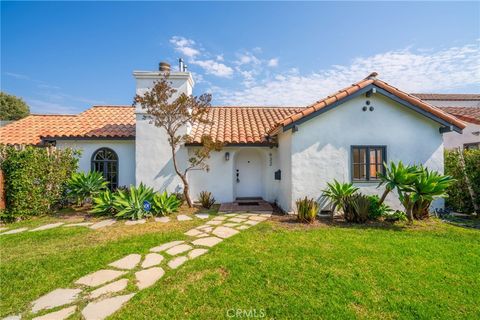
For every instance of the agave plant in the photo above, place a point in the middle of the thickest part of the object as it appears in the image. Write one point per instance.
(164, 204)
(361, 206)
(206, 199)
(131, 204)
(338, 194)
(83, 186)
(427, 186)
(103, 203)
(307, 209)
(396, 176)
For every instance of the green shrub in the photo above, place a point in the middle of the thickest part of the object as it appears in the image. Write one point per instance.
(130, 204)
(307, 210)
(458, 195)
(206, 199)
(102, 203)
(83, 186)
(35, 179)
(377, 210)
(361, 207)
(164, 204)
(396, 216)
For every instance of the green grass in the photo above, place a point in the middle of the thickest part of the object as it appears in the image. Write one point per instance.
(425, 272)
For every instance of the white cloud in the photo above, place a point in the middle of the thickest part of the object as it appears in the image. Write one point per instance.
(247, 58)
(184, 46)
(17, 75)
(213, 67)
(273, 62)
(410, 70)
(47, 107)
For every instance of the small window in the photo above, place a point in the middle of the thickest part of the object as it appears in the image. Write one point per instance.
(367, 162)
(472, 146)
(105, 161)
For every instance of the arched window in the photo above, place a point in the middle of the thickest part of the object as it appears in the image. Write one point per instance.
(105, 161)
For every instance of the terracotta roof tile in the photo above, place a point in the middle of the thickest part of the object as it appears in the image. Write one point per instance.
(448, 96)
(467, 114)
(240, 124)
(96, 122)
(358, 86)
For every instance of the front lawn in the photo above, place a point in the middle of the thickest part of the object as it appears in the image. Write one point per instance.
(275, 270)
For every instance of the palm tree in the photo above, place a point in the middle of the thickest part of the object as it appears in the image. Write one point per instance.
(396, 176)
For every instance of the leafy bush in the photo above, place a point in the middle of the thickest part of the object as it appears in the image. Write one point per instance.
(206, 199)
(396, 216)
(103, 203)
(377, 210)
(458, 194)
(361, 207)
(130, 204)
(165, 204)
(83, 186)
(306, 210)
(35, 178)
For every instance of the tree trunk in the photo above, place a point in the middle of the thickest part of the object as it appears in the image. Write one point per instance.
(384, 195)
(186, 187)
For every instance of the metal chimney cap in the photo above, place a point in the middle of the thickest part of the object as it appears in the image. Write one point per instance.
(164, 66)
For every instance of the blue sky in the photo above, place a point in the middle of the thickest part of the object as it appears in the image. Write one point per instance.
(63, 57)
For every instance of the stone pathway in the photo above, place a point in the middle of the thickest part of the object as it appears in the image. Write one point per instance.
(101, 224)
(103, 292)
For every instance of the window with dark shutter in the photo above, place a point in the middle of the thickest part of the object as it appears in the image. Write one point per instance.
(367, 162)
(105, 161)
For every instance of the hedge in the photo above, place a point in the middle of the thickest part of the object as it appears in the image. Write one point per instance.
(458, 195)
(35, 179)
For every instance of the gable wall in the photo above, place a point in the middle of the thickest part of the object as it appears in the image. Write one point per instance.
(321, 147)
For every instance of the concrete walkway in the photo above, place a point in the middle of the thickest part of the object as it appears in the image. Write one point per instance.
(103, 292)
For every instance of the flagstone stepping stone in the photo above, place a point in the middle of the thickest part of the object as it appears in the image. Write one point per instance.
(146, 278)
(116, 286)
(162, 219)
(102, 224)
(80, 224)
(201, 235)
(55, 298)
(58, 315)
(183, 217)
(214, 222)
(15, 231)
(224, 232)
(178, 249)
(177, 262)
(134, 222)
(207, 242)
(128, 263)
(166, 246)
(243, 227)
(252, 222)
(230, 214)
(1, 229)
(99, 277)
(47, 226)
(230, 224)
(193, 232)
(238, 220)
(267, 215)
(257, 218)
(219, 218)
(152, 259)
(205, 228)
(196, 253)
(99, 310)
(14, 317)
(202, 215)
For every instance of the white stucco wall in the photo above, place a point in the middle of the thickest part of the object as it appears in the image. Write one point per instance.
(125, 150)
(285, 165)
(453, 140)
(321, 148)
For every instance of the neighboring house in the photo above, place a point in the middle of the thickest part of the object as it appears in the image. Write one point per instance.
(465, 107)
(277, 153)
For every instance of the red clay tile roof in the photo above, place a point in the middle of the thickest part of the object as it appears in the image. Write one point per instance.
(240, 124)
(96, 122)
(358, 86)
(447, 96)
(467, 114)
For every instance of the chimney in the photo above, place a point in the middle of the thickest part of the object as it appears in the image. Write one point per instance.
(164, 67)
(181, 66)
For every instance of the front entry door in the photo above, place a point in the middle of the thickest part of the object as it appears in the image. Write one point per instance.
(248, 174)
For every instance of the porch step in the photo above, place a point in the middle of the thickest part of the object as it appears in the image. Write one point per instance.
(246, 205)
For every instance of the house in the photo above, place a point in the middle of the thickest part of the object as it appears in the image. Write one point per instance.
(466, 107)
(277, 153)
